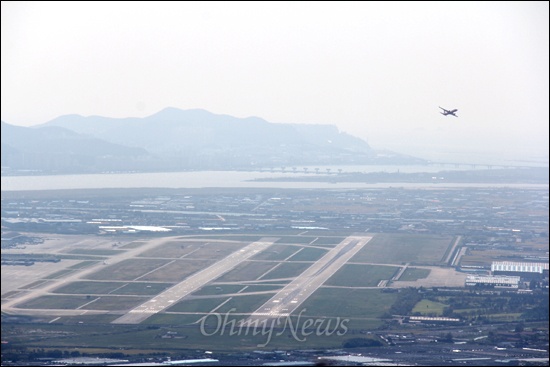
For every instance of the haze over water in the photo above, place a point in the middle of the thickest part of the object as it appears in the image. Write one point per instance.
(233, 179)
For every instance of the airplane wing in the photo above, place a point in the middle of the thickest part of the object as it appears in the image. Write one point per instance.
(453, 111)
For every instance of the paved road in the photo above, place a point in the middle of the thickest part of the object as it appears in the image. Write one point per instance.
(449, 256)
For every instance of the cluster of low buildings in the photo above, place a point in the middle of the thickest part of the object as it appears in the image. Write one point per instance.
(476, 213)
(509, 274)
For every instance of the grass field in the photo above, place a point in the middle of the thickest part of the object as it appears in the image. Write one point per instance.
(277, 252)
(328, 240)
(56, 302)
(309, 254)
(247, 270)
(286, 270)
(173, 249)
(216, 250)
(182, 334)
(114, 288)
(203, 305)
(176, 270)
(404, 248)
(244, 304)
(129, 269)
(359, 303)
(356, 275)
(114, 303)
(429, 308)
(304, 240)
(141, 289)
(88, 287)
(218, 290)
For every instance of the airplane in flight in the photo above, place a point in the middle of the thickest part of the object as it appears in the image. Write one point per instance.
(448, 112)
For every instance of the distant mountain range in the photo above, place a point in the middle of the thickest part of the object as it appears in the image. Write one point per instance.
(175, 139)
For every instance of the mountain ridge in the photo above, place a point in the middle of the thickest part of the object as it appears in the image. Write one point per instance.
(175, 139)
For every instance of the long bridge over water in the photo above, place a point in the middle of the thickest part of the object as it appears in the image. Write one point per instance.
(481, 165)
(441, 164)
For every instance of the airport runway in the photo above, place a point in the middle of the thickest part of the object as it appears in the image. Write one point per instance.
(295, 293)
(10, 306)
(174, 294)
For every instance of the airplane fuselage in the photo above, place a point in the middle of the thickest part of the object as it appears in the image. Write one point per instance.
(448, 112)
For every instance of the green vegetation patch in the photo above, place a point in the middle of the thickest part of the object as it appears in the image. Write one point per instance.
(429, 308)
(297, 239)
(141, 288)
(503, 307)
(505, 317)
(358, 303)
(356, 275)
(218, 289)
(324, 241)
(203, 305)
(308, 254)
(84, 287)
(404, 248)
(173, 249)
(215, 250)
(114, 303)
(129, 269)
(287, 270)
(56, 302)
(247, 270)
(277, 252)
(176, 271)
(244, 304)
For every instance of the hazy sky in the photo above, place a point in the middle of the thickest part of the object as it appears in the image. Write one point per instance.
(377, 70)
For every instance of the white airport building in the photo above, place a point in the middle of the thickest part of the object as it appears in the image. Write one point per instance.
(523, 269)
(492, 281)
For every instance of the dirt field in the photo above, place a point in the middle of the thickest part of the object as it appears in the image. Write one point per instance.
(438, 277)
